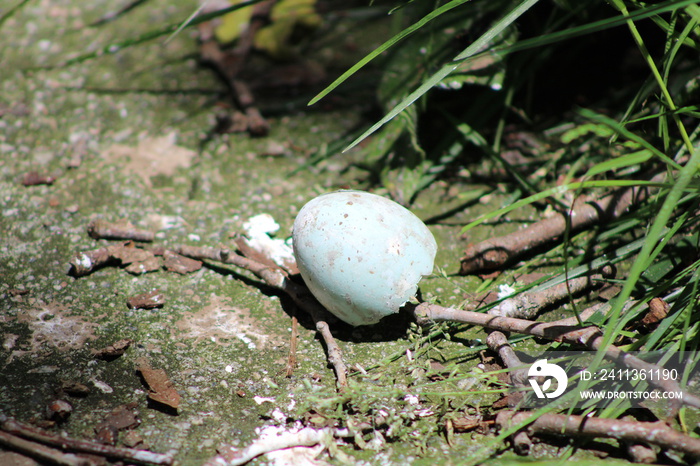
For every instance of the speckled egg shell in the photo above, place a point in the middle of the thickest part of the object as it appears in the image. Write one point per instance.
(361, 255)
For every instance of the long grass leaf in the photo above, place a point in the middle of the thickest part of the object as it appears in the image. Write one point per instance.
(649, 250)
(149, 36)
(559, 190)
(386, 45)
(477, 45)
(472, 52)
(622, 131)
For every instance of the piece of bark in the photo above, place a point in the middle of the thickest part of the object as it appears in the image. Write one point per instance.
(35, 178)
(161, 389)
(124, 417)
(114, 350)
(102, 229)
(150, 300)
(58, 411)
(74, 389)
(658, 310)
(573, 426)
(177, 263)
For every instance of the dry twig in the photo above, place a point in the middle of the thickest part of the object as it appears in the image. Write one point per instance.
(229, 64)
(40, 452)
(19, 434)
(591, 337)
(656, 433)
(527, 305)
(496, 253)
(498, 343)
(101, 229)
(292, 358)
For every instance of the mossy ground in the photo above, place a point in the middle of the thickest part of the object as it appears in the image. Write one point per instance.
(222, 336)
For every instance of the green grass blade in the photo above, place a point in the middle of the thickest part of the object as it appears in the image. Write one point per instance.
(559, 190)
(622, 131)
(11, 11)
(649, 249)
(477, 45)
(149, 36)
(386, 45)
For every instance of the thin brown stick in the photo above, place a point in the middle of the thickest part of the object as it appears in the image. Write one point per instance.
(292, 358)
(497, 342)
(496, 253)
(591, 337)
(230, 63)
(102, 229)
(527, 305)
(276, 278)
(656, 433)
(18, 429)
(40, 452)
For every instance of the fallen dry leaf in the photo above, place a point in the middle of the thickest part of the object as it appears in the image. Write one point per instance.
(150, 300)
(176, 263)
(161, 390)
(114, 350)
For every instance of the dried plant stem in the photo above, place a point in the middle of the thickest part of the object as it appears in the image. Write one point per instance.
(498, 343)
(656, 433)
(590, 337)
(102, 229)
(20, 433)
(292, 358)
(275, 277)
(496, 253)
(527, 305)
(40, 452)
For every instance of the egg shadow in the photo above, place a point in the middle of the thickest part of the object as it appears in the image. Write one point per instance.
(390, 328)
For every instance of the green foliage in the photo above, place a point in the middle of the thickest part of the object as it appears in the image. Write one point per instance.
(479, 73)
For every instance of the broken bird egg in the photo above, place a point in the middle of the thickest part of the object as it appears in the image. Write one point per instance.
(361, 255)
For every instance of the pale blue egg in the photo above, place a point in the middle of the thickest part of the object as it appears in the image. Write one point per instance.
(360, 254)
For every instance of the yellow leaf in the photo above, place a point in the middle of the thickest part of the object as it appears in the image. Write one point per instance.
(285, 15)
(233, 24)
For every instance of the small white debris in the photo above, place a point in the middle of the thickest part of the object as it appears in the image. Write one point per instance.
(263, 224)
(244, 338)
(504, 291)
(261, 399)
(84, 261)
(278, 416)
(193, 237)
(259, 229)
(411, 399)
(101, 386)
(228, 368)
